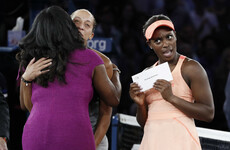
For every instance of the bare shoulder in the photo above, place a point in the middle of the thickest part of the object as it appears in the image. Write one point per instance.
(192, 68)
(105, 59)
(107, 62)
(190, 63)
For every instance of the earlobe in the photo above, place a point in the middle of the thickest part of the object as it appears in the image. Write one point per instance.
(91, 36)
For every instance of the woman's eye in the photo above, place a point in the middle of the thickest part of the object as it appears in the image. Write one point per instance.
(157, 41)
(170, 37)
(75, 21)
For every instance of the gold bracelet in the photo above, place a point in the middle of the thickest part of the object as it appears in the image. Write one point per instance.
(116, 69)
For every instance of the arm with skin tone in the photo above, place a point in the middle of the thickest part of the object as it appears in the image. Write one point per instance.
(32, 71)
(105, 111)
(139, 98)
(109, 91)
(103, 122)
(25, 96)
(107, 62)
(142, 114)
(195, 75)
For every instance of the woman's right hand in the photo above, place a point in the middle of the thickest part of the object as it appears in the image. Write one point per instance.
(34, 69)
(136, 94)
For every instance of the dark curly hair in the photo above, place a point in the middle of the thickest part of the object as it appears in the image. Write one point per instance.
(53, 35)
(153, 19)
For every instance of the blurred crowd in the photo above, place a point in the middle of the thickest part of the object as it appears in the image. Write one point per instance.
(202, 28)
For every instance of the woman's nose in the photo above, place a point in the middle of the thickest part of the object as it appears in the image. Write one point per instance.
(79, 26)
(165, 43)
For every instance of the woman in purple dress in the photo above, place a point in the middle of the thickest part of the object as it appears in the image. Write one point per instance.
(62, 73)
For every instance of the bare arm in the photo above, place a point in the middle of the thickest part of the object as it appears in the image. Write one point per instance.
(32, 71)
(103, 122)
(139, 98)
(109, 91)
(25, 96)
(142, 115)
(193, 73)
(107, 62)
(105, 111)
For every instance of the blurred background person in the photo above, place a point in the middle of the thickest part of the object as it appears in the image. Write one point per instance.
(4, 117)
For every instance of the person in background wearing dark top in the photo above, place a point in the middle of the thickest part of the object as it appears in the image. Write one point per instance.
(62, 74)
(99, 112)
(219, 81)
(4, 120)
(167, 111)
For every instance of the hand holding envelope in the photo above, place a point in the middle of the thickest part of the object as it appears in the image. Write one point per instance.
(147, 78)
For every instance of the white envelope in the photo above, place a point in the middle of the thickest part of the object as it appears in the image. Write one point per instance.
(147, 78)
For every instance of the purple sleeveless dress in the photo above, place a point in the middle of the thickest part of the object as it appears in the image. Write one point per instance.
(59, 119)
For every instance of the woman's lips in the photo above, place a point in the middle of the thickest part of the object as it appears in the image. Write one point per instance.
(167, 53)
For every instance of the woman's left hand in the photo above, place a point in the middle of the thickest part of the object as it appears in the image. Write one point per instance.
(34, 69)
(165, 88)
